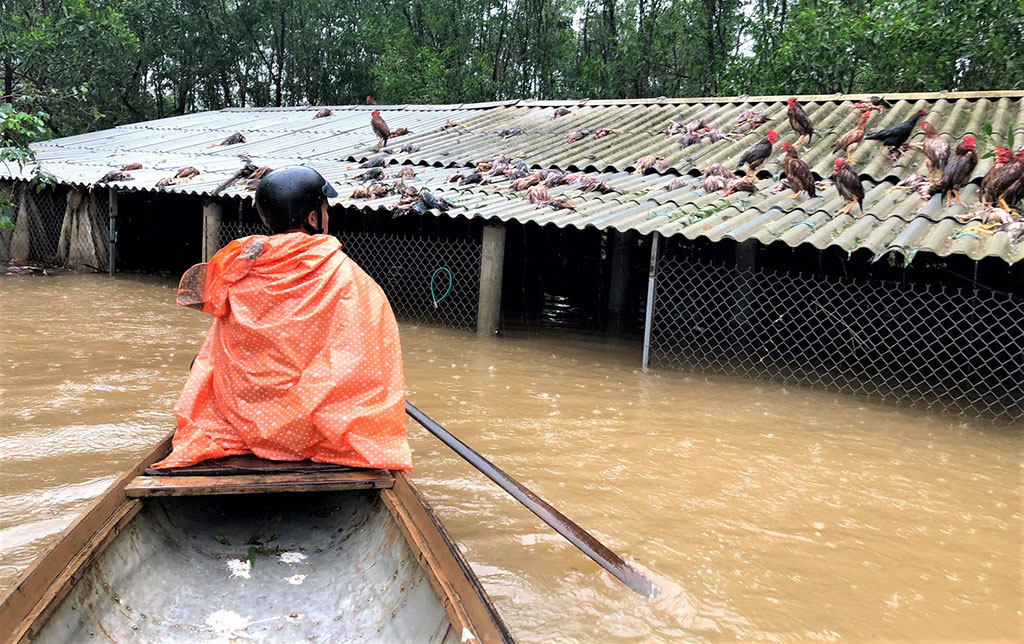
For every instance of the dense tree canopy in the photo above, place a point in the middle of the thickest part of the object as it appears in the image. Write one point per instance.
(90, 64)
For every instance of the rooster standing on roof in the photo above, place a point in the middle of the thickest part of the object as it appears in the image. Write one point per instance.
(758, 153)
(958, 171)
(380, 128)
(895, 137)
(799, 121)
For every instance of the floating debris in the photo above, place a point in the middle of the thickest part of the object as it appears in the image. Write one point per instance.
(240, 568)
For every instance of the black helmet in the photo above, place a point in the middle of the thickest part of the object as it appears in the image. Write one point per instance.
(286, 196)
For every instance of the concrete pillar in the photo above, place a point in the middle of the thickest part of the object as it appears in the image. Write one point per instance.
(212, 215)
(492, 260)
(112, 231)
(652, 281)
(622, 247)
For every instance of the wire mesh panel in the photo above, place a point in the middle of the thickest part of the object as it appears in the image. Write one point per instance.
(943, 348)
(426, 279)
(59, 226)
(232, 230)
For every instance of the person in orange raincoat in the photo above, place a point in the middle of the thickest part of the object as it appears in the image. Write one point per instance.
(303, 360)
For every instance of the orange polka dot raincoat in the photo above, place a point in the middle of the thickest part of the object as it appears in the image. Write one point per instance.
(303, 360)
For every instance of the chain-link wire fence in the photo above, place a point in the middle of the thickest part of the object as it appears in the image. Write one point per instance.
(58, 226)
(427, 279)
(935, 347)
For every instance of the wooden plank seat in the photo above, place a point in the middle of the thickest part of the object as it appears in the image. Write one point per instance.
(251, 475)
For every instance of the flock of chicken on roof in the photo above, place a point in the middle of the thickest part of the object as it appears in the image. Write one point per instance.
(1001, 189)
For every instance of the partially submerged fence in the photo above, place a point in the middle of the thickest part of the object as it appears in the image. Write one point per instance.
(59, 226)
(427, 279)
(937, 347)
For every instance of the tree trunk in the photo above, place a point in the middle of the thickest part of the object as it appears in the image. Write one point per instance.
(280, 63)
(8, 79)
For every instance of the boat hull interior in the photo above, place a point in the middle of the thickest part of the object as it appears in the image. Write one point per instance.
(313, 567)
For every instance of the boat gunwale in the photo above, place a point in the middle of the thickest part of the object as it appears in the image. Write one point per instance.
(40, 589)
(37, 592)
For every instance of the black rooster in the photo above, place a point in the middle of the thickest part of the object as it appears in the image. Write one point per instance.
(894, 136)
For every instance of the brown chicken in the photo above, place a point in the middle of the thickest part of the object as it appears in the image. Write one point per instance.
(187, 173)
(848, 184)
(1001, 183)
(380, 128)
(936, 150)
(560, 203)
(799, 121)
(578, 135)
(645, 163)
(400, 131)
(538, 194)
(324, 113)
(131, 166)
(958, 171)
(522, 184)
(847, 143)
(799, 174)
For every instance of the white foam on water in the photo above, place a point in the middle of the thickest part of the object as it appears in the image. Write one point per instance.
(292, 557)
(295, 580)
(240, 568)
(226, 621)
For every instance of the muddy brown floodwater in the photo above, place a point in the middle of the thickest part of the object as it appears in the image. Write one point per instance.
(766, 512)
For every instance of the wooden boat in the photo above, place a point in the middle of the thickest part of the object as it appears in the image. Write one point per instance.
(243, 550)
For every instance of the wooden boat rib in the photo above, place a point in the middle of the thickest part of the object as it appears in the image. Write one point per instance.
(300, 553)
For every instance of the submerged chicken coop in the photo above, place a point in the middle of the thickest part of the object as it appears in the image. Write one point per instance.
(596, 217)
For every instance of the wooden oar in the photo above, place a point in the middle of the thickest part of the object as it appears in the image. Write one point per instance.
(549, 515)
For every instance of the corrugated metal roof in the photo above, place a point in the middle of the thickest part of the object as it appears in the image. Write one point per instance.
(337, 144)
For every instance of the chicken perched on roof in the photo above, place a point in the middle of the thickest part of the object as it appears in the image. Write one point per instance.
(593, 184)
(380, 128)
(649, 162)
(370, 101)
(577, 135)
(561, 111)
(847, 143)
(234, 139)
(936, 150)
(873, 103)
(1002, 184)
(799, 121)
(914, 183)
(752, 118)
(848, 184)
(740, 184)
(797, 171)
(115, 175)
(604, 131)
(324, 113)
(253, 181)
(400, 131)
(895, 137)
(958, 171)
(538, 194)
(509, 132)
(131, 166)
(758, 153)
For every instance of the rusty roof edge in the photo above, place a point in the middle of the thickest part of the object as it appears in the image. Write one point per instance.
(662, 100)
